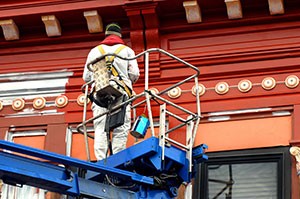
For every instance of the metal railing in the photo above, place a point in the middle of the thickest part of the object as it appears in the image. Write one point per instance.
(193, 116)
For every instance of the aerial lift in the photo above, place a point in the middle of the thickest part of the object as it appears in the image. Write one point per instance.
(152, 168)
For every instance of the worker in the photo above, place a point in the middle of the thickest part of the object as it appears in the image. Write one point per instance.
(129, 72)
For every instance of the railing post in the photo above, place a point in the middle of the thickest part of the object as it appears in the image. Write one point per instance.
(147, 95)
(162, 130)
(86, 141)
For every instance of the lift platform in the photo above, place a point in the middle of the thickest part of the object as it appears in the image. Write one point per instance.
(153, 168)
(138, 171)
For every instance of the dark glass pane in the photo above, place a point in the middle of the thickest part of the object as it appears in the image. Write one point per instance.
(238, 181)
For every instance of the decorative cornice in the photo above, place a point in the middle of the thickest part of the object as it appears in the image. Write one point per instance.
(54, 6)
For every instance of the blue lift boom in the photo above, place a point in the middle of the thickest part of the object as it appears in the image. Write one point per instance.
(139, 171)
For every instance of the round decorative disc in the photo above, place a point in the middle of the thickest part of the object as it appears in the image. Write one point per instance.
(292, 81)
(222, 88)
(201, 89)
(268, 83)
(154, 90)
(174, 93)
(18, 104)
(39, 103)
(245, 85)
(81, 99)
(61, 101)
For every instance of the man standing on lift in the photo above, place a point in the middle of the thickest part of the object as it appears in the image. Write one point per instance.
(129, 73)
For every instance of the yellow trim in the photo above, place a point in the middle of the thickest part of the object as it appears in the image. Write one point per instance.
(111, 57)
(100, 48)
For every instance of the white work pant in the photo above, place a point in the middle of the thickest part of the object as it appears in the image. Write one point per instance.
(119, 134)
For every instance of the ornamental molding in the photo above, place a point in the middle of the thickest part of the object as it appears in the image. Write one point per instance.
(221, 88)
(40, 103)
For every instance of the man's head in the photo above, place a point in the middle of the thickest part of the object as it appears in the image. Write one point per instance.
(113, 29)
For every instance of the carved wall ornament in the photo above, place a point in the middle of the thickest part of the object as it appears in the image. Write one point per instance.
(10, 30)
(222, 88)
(234, 9)
(192, 11)
(81, 99)
(18, 104)
(201, 89)
(52, 25)
(276, 7)
(292, 81)
(174, 93)
(245, 85)
(39, 102)
(268, 83)
(61, 101)
(154, 90)
(94, 21)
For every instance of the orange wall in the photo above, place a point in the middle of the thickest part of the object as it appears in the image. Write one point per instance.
(78, 147)
(32, 141)
(244, 134)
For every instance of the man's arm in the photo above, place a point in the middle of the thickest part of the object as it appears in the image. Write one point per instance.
(87, 75)
(133, 69)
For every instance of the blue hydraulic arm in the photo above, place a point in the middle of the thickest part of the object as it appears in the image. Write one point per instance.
(139, 166)
(19, 170)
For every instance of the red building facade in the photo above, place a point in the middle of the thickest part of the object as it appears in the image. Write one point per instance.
(247, 53)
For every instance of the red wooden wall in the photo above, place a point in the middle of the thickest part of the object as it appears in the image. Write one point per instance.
(253, 48)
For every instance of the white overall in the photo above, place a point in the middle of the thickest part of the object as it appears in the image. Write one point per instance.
(129, 72)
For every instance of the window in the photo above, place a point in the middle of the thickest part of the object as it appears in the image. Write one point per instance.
(257, 174)
(34, 137)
